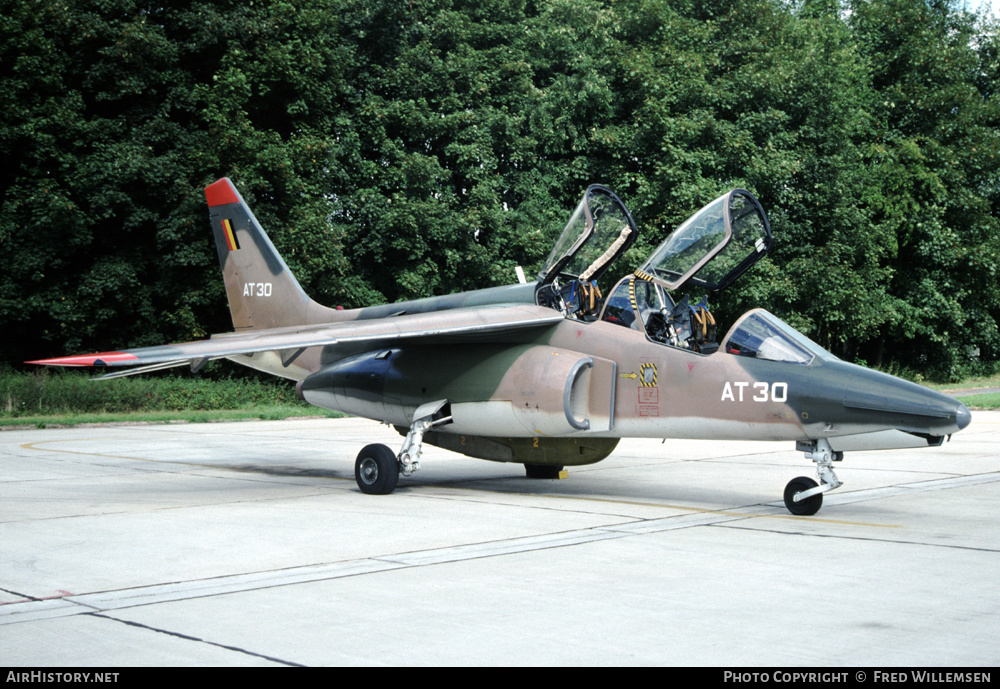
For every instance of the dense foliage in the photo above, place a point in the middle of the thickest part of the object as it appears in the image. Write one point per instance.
(403, 149)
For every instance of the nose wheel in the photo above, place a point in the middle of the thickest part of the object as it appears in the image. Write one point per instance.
(803, 496)
(803, 506)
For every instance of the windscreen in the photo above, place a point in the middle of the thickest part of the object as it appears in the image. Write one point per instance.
(761, 335)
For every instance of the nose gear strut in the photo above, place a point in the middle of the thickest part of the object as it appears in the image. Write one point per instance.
(803, 496)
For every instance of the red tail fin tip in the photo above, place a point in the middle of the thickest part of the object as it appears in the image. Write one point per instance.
(221, 192)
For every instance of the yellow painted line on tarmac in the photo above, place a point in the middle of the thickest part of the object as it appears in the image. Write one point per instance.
(34, 446)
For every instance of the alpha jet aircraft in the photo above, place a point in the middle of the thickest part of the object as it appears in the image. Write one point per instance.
(550, 374)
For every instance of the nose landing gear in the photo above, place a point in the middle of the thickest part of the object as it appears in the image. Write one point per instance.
(803, 496)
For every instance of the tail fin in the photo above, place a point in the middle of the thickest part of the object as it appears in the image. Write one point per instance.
(261, 289)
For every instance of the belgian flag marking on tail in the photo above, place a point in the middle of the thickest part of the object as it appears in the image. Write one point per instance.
(231, 241)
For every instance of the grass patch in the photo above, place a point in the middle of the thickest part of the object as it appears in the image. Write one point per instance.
(55, 398)
(966, 392)
(266, 413)
(990, 400)
(975, 382)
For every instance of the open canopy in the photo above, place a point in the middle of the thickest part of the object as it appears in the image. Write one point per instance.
(599, 231)
(714, 246)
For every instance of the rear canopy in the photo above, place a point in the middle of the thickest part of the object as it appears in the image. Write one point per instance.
(714, 246)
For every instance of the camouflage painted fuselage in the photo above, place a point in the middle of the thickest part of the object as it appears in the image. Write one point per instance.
(589, 381)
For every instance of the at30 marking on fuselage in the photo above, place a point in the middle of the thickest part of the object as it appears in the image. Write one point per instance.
(775, 392)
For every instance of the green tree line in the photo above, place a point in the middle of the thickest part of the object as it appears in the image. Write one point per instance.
(396, 150)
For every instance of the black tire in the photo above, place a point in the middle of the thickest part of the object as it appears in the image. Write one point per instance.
(807, 507)
(542, 471)
(376, 470)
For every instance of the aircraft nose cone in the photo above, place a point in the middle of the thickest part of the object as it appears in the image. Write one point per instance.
(885, 400)
(963, 417)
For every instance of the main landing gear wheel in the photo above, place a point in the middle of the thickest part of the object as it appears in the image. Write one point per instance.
(807, 507)
(376, 470)
(542, 471)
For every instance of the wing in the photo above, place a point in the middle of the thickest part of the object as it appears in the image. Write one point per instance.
(456, 325)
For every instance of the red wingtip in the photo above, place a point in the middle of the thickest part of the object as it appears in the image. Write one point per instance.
(101, 359)
(221, 192)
